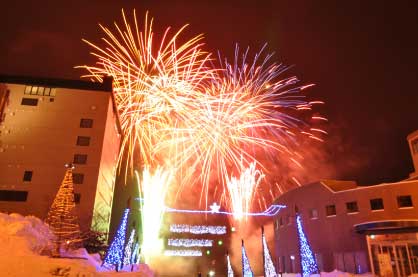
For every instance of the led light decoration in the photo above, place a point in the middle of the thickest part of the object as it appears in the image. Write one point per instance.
(183, 253)
(230, 270)
(190, 242)
(307, 258)
(114, 255)
(127, 257)
(135, 254)
(62, 218)
(198, 229)
(269, 270)
(246, 268)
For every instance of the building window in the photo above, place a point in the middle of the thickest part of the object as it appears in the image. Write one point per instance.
(83, 141)
(86, 123)
(13, 195)
(313, 214)
(77, 197)
(376, 204)
(404, 201)
(78, 178)
(27, 176)
(42, 91)
(414, 145)
(80, 159)
(29, 101)
(352, 207)
(330, 210)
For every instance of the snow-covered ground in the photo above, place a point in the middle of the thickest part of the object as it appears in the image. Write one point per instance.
(24, 238)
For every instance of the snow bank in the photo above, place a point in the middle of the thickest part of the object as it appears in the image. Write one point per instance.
(22, 240)
(23, 235)
(334, 273)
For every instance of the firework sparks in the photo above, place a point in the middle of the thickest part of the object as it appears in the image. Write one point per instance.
(153, 190)
(203, 122)
(242, 190)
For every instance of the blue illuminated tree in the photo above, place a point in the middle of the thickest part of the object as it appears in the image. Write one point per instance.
(269, 270)
(129, 249)
(114, 255)
(307, 258)
(230, 270)
(246, 268)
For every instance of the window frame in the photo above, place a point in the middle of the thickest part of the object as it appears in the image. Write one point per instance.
(376, 199)
(84, 125)
(334, 208)
(78, 156)
(398, 200)
(352, 211)
(29, 174)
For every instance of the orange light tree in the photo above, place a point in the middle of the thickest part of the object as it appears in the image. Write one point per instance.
(62, 217)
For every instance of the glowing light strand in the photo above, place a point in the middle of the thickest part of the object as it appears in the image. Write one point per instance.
(246, 268)
(114, 255)
(307, 258)
(230, 270)
(135, 254)
(198, 229)
(183, 253)
(269, 270)
(190, 242)
(127, 256)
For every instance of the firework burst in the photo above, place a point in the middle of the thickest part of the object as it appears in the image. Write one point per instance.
(153, 189)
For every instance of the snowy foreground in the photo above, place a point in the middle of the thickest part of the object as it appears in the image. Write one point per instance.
(334, 273)
(23, 238)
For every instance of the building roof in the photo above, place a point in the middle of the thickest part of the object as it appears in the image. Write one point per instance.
(106, 86)
(337, 185)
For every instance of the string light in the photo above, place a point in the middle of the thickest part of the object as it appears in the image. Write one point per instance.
(183, 253)
(128, 249)
(198, 229)
(269, 270)
(273, 210)
(230, 270)
(114, 254)
(135, 254)
(246, 268)
(307, 258)
(190, 242)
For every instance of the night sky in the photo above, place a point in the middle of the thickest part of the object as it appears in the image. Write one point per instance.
(362, 56)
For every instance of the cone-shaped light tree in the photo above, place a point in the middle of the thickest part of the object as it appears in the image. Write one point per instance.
(269, 270)
(230, 270)
(246, 268)
(114, 255)
(129, 249)
(307, 258)
(62, 216)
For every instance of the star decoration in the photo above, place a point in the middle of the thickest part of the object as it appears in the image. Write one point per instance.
(215, 208)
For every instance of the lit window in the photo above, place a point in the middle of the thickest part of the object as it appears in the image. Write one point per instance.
(27, 176)
(330, 210)
(83, 141)
(80, 159)
(352, 207)
(34, 90)
(313, 214)
(28, 89)
(376, 204)
(404, 201)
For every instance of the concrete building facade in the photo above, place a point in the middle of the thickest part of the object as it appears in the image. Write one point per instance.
(353, 228)
(46, 123)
